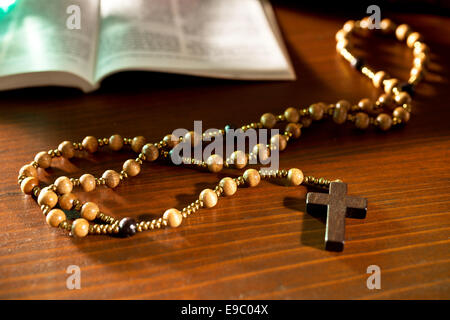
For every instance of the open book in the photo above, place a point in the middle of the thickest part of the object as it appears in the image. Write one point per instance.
(41, 45)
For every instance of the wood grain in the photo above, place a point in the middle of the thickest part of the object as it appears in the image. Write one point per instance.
(259, 243)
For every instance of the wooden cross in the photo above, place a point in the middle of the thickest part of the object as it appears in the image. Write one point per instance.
(338, 205)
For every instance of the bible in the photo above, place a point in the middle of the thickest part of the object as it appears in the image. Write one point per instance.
(78, 43)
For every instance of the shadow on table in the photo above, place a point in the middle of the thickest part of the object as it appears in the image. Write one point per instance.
(313, 227)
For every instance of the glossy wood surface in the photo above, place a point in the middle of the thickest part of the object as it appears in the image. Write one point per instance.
(260, 243)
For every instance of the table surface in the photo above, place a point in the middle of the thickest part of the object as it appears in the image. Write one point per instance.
(259, 244)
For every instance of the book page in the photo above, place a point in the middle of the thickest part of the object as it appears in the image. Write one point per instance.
(217, 38)
(35, 39)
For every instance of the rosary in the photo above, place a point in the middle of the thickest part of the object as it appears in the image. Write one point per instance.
(392, 108)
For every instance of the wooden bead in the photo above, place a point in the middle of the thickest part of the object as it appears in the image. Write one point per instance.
(173, 216)
(228, 186)
(88, 182)
(316, 110)
(28, 170)
(412, 38)
(251, 177)
(401, 114)
(268, 120)
(279, 141)
(384, 121)
(239, 159)
(291, 115)
(343, 44)
(295, 176)
(171, 140)
(420, 60)
(209, 198)
(66, 201)
(365, 22)
(28, 184)
(43, 159)
(295, 129)
(422, 57)
(112, 178)
(402, 32)
(378, 79)
(340, 114)
(215, 163)
(349, 26)
(89, 211)
(402, 98)
(193, 137)
(420, 48)
(306, 121)
(386, 100)
(361, 120)
(80, 228)
(416, 73)
(63, 185)
(387, 26)
(137, 143)
(357, 29)
(364, 25)
(341, 35)
(261, 151)
(131, 167)
(366, 105)
(47, 197)
(150, 152)
(55, 217)
(67, 150)
(90, 144)
(116, 142)
(344, 104)
(390, 84)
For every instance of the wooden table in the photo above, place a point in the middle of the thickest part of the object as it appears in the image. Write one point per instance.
(259, 244)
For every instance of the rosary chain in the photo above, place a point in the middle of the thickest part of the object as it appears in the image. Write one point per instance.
(392, 108)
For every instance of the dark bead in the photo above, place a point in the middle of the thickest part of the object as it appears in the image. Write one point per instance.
(358, 63)
(127, 227)
(407, 87)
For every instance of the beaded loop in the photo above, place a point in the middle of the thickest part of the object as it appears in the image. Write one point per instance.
(392, 108)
